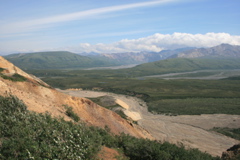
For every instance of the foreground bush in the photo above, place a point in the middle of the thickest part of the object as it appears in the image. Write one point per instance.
(28, 135)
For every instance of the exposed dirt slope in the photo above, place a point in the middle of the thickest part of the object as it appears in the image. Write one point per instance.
(39, 97)
(109, 154)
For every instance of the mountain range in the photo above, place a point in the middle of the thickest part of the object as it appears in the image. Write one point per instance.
(142, 57)
(220, 51)
(68, 60)
(56, 60)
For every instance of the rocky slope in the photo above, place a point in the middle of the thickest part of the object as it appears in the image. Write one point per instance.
(40, 97)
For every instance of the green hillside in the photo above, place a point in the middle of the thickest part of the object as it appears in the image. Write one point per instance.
(56, 60)
(175, 65)
(183, 65)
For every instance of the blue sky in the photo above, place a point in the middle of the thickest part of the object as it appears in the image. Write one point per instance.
(116, 26)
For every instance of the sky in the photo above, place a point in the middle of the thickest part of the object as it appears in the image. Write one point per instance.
(112, 26)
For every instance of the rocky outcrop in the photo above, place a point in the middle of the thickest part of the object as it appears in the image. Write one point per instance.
(232, 153)
(10, 69)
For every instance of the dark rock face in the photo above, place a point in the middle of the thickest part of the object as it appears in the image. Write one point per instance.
(232, 153)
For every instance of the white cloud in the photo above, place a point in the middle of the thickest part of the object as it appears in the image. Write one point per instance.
(41, 23)
(158, 42)
(154, 43)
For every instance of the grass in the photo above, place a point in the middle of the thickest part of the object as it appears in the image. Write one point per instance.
(1, 69)
(234, 78)
(71, 114)
(15, 77)
(195, 106)
(230, 132)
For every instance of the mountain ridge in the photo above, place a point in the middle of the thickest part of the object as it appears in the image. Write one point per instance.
(220, 51)
(56, 60)
(142, 57)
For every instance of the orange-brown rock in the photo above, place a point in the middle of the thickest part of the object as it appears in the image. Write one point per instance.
(108, 154)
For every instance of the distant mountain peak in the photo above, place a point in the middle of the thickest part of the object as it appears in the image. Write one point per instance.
(220, 51)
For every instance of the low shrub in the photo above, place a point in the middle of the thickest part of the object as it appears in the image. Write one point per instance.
(1, 69)
(71, 114)
(230, 132)
(14, 77)
(28, 135)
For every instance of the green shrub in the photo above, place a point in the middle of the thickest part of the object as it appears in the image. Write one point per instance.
(1, 69)
(28, 135)
(71, 114)
(121, 113)
(141, 149)
(14, 77)
(230, 132)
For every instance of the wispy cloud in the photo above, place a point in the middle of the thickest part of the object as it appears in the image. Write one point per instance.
(115, 34)
(91, 12)
(35, 24)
